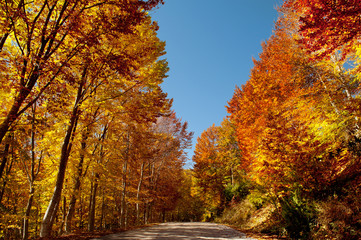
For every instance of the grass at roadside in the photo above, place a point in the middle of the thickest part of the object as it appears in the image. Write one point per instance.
(256, 235)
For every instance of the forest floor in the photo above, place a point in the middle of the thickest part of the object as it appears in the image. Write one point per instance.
(177, 228)
(92, 235)
(258, 235)
(262, 236)
(81, 235)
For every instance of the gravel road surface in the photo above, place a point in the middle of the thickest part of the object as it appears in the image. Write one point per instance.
(176, 231)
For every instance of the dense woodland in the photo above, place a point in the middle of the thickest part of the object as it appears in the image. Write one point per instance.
(287, 158)
(88, 139)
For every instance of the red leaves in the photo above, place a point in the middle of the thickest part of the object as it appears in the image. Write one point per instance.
(329, 25)
(147, 5)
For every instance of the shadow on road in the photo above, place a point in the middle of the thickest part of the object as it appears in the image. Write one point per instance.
(176, 231)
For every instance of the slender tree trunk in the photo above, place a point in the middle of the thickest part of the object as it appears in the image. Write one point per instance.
(14, 112)
(124, 184)
(3, 40)
(102, 215)
(126, 215)
(76, 187)
(7, 171)
(163, 215)
(61, 230)
(93, 194)
(27, 213)
(150, 187)
(138, 191)
(123, 199)
(150, 212)
(38, 216)
(81, 212)
(145, 213)
(24, 92)
(2, 191)
(92, 204)
(52, 209)
(4, 160)
(14, 18)
(71, 209)
(32, 174)
(78, 178)
(90, 201)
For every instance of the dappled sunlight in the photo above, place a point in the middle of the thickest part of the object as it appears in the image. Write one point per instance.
(175, 231)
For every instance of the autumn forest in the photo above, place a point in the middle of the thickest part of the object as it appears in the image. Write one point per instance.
(89, 140)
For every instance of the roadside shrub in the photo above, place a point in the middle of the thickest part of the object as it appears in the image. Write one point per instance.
(299, 216)
(236, 192)
(336, 220)
(210, 214)
(237, 214)
(257, 198)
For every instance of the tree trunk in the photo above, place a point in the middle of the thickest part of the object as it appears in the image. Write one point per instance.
(150, 212)
(61, 230)
(92, 204)
(7, 171)
(124, 184)
(9, 28)
(163, 215)
(93, 194)
(52, 209)
(138, 191)
(78, 177)
(145, 213)
(123, 199)
(32, 174)
(71, 209)
(81, 212)
(27, 213)
(102, 215)
(15, 112)
(4, 160)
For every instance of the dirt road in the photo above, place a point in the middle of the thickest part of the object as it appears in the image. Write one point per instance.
(176, 231)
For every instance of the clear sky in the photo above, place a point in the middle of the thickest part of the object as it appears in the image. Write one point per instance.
(210, 45)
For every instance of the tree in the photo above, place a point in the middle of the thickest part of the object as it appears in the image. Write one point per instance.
(38, 40)
(115, 60)
(173, 138)
(289, 115)
(329, 25)
(228, 151)
(91, 69)
(330, 29)
(273, 82)
(209, 169)
(189, 206)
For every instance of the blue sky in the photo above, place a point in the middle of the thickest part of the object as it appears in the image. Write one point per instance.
(210, 45)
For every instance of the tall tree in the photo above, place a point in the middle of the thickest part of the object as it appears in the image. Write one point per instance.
(209, 168)
(39, 39)
(115, 62)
